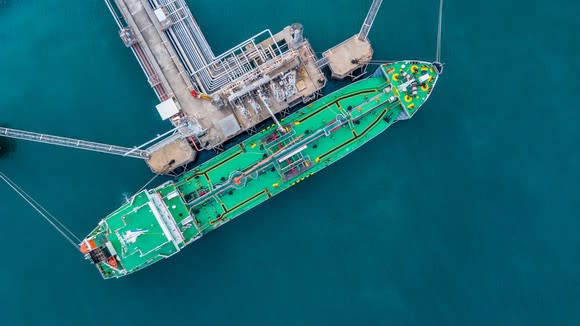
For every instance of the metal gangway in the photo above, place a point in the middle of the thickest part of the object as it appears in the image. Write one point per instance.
(322, 62)
(74, 143)
(369, 20)
(184, 130)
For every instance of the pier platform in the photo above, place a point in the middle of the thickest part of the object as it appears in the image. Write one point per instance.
(223, 95)
(171, 156)
(348, 56)
(208, 98)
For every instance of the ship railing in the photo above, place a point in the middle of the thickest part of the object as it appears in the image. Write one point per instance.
(298, 159)
(284, 139)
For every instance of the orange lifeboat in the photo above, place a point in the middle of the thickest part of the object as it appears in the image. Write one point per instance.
(112, 262)
(87, 246)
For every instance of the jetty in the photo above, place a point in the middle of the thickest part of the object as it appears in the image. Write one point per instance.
(207, 98)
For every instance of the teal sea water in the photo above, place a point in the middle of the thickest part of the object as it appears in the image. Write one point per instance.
(468, 214)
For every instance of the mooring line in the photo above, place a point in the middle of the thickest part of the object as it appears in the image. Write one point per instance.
(438, 54)
(56, 224)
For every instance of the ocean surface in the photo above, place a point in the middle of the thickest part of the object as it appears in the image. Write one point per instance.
(478, 226)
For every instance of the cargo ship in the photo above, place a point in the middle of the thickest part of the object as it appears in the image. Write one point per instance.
(158, 223)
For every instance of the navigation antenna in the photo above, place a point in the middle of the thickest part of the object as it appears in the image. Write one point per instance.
(437, 64)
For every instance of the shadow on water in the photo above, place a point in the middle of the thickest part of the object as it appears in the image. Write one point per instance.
(4, 4)
(7, 145)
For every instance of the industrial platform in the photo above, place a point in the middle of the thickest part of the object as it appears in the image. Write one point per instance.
(209, 98)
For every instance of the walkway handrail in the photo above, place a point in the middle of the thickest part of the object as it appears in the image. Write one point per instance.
(74, 143)
(369, 20)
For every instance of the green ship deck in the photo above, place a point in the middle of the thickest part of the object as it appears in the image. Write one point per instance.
(158, 223)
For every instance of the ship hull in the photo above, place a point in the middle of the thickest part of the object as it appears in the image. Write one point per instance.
(158, 223)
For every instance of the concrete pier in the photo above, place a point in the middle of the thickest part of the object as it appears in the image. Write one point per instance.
(218, 94)
(222, 96)
(171, 156)
(349, 56)
(210, 99)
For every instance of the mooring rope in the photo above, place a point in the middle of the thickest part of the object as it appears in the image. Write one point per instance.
(438, 54)
(148, 182)
(56, 224)
(41, 207)
(379, 62)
